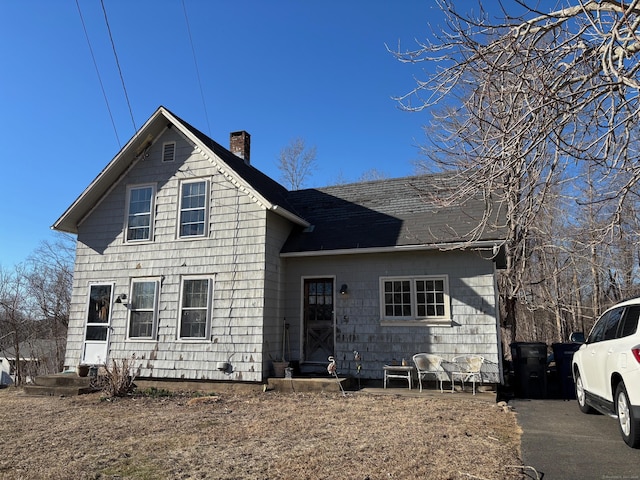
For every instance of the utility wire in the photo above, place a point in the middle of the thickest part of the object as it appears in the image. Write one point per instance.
(104, 94)
(195, 61)
(113, 46)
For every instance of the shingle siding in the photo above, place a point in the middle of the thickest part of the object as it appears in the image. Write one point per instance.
(233, 252)
(357, 314)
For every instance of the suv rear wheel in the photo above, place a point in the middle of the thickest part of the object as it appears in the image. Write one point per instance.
(629, 426)
(581, 396)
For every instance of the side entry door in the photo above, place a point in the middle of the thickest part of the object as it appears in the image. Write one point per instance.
(98, 325)
(319, 320)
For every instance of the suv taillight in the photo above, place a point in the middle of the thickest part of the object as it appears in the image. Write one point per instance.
(636, 353)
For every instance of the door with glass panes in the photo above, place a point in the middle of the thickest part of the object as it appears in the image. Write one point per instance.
(98, 321)
(319, 319)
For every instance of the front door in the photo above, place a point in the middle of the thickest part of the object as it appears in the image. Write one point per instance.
(96, 337)
(319, 325)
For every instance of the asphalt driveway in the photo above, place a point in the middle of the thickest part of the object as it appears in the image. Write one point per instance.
(561, 443)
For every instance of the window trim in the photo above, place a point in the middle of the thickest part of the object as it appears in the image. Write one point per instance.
(156, 303)
(210, 290)
(414, 319)
(207, 193)
(152, 205)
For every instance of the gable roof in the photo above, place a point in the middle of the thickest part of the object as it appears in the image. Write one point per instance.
(400, 213)
(245, 177)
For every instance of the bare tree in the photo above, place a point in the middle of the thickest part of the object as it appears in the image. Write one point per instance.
(296, 163)
(14, 320)
(523, 99)
(50, 279)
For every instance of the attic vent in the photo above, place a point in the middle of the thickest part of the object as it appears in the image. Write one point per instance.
(169, 152)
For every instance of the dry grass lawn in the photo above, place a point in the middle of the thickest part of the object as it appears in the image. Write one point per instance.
(257, 436)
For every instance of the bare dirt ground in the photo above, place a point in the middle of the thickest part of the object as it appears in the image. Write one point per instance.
(257, 436)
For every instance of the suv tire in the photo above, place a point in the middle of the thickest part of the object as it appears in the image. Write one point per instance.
(629, 425)
(581, 395)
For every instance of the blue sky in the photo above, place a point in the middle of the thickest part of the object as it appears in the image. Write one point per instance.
(277, 69)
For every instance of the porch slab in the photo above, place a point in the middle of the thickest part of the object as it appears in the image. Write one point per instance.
(313, 384)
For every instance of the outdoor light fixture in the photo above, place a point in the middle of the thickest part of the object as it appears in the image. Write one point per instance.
(343, 289)
(121, 298)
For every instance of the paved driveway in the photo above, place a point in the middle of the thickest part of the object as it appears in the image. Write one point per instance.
(561, 443)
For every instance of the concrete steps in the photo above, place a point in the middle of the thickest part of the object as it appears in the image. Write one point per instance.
(61, 384)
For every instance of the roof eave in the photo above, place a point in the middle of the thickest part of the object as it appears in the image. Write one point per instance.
(493, 245)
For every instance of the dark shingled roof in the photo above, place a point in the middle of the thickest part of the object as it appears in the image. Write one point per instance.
(398, 212)
(264, 185)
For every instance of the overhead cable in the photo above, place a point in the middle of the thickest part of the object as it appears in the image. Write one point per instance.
(113, 46)
(104, 94)
(195, 61)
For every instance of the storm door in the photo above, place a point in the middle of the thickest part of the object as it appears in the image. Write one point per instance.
(96, 339)
(319, 325)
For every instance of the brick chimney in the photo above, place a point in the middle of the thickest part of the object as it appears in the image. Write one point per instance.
(240, 145)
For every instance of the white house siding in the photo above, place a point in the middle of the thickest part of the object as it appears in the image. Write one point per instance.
(234, 253)
(473, 307)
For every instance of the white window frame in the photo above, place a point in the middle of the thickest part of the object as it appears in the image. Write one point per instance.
(209, 308)
(164, 149)
(154, 308)
(206, 208)
(414, 318)
(152, 207)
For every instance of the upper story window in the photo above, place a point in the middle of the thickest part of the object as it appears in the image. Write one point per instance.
(140, 200)
(195, 307)
(143, 311)
(423, 299)
(169, 151)
(193, 208)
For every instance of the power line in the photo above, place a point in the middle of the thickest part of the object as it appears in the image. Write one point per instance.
(195, 61)
(113, 46)
(104, 94)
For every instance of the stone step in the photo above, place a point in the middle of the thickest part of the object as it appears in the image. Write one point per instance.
(56, 391)
(62, 380)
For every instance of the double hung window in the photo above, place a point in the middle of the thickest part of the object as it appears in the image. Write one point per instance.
(143, 313)
(193, 209)
(195, 307)
(423, 299)
(140, 200)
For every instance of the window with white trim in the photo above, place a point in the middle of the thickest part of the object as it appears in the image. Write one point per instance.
(195, 307)
(422, 299)
(193, 208)
(143, 311)
(140, 201)
(168, 151)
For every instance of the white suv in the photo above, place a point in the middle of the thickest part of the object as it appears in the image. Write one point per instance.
(606, 369)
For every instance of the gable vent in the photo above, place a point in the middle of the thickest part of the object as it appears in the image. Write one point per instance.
(169, 152)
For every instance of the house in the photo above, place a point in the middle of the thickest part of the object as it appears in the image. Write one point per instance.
(204, 268)
(37, 356)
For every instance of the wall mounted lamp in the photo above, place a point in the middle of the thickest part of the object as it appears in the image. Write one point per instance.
(121, 298)
(343, 289)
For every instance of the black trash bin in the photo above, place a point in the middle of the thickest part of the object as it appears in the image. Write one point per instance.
(530, 369)
(563, 355)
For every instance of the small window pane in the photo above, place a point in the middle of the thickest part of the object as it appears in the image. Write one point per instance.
(99, 304)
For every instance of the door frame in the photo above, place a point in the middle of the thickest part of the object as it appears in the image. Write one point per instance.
(303, 352)
(91, 349)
